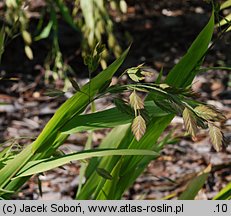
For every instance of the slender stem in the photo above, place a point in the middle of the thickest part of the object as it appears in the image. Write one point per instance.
(214, 68)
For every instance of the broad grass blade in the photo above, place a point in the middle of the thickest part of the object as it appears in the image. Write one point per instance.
(224, 194)
(180, 76)
(48, 164)
(51, 138)
(195, 185)
(184, 72)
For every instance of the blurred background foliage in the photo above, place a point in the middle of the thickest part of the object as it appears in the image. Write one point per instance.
(83, 23)
(51, 35)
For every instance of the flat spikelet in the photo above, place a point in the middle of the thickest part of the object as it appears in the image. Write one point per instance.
(190, 122)
(136, 102)
(209, 113)
(138, 127)
(216, 136)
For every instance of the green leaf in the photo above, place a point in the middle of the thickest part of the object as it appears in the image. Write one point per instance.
(4, 152)
(184, 72)
(105, 87)
(94, 180)
(146, 115)
(160, 75)
(123, 107)
(224, 194)
(167, 105)
(45, 32)
(6, 191)
(123, 138)
(104, 173)
(65, 13)
(74, 84)
(133, 166)
(195, 185)
(110, 186)
(54, 93)
(51, 138)
(43, 165)
(110, 118)
(104, 119)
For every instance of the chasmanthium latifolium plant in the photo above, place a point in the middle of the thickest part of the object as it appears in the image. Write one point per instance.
(137, 125)
(125, 170)
(174, 100)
